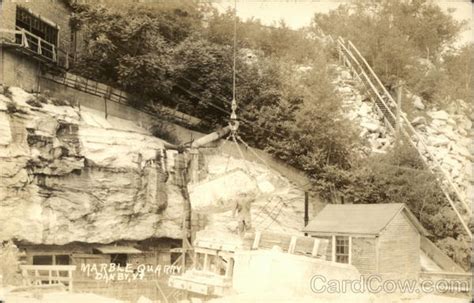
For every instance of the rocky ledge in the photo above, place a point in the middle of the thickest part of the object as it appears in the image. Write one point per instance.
(68, 174)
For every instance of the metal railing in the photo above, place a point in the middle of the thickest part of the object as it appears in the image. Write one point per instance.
(109, 93)
(37, 46)
(386, 106)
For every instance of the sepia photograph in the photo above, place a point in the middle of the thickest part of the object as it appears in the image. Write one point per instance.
(227, 151)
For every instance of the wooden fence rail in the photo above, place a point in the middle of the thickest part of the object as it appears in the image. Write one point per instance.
(48, 274)
(109, 93)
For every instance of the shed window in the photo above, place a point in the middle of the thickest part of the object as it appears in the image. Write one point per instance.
(342, 249)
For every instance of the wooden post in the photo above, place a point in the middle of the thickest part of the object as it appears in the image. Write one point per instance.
(105, 107)
(54, 53)
(333, 251)
(229, 268)
(306, 212)
(314, 252)
(205, 266)
(339, 53)
(350, 250)
(24, 41)
(70, 280)
(194, 165)
(399, 109)
(292, 246)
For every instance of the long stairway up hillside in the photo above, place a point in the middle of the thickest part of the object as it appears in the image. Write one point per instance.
(386, 107)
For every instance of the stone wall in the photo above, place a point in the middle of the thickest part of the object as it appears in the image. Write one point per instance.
(18, 70)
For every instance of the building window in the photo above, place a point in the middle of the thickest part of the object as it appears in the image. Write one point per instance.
(343, 249)
(62, 260)
(42, 36)
(51, 260)
(42, 260)
(119, 259)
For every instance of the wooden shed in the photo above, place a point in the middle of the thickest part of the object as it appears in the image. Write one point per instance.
(382, 239)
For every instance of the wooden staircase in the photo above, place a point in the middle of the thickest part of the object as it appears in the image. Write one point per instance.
(386, 107)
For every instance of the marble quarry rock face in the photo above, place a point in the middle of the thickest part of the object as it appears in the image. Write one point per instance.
(68, 174)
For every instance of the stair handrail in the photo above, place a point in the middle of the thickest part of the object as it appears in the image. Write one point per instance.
(367, 78)
(413, 130)
(451, 202)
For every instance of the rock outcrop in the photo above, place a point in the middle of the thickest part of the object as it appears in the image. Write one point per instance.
(448, 135)
(68, 174)
(359, 109)
(449, 138)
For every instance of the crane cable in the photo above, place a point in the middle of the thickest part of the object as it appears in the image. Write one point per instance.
(234, 124)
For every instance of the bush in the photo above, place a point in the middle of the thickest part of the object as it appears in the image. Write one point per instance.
(13, 108)
(9, 266)
(42, 99)
(33, 101)
(60, 102)
(6, 92)
(458, 250)
(165, 132)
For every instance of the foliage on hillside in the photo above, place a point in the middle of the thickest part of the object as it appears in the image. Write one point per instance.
(181, 56)
(407, 40)
(284, 110)
(399, 176)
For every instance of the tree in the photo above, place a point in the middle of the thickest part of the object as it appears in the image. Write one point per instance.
(393, 36)
(399, 176)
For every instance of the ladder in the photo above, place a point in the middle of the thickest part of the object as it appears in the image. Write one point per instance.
(386, 106)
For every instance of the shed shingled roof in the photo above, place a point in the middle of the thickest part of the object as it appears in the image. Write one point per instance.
(366, 219)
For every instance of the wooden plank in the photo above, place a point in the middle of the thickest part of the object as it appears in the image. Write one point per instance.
(71, 281)
(333, 251)
(446, 274)
(256, 241)
(439, 257)
(49, 267)
(206, 262)
(323, 246)
(87, 256)
(46, 278)
(292, 246)
(314, 252)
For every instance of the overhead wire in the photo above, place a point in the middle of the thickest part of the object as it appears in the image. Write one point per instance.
(219, 96)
